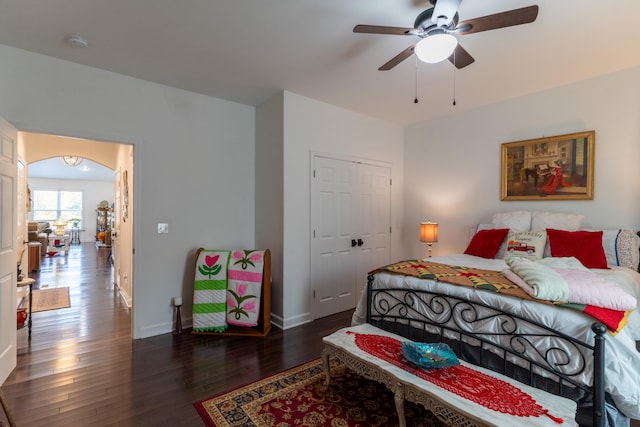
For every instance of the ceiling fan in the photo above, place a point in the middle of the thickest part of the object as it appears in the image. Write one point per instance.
(437, 26)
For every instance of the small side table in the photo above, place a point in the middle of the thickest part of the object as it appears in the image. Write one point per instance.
(58, 244)
(27, 281)
(75, 235)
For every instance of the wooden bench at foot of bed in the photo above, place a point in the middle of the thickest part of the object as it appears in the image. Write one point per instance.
(460, 400)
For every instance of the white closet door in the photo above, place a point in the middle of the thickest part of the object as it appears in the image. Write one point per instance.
(350, 226)
(373, 225)
(333, 268)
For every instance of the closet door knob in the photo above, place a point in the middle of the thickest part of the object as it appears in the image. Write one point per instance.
(353, 243)
(360, 242)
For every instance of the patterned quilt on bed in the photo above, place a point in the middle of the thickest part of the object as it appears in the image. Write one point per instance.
(495, 281)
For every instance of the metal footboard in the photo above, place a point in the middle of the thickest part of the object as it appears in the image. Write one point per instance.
(504, 342)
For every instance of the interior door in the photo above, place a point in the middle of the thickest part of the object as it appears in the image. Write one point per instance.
(332, 263)
(373, 225)
(351, 230)
(8, 234)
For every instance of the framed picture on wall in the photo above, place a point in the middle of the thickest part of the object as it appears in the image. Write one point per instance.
(553, 168)
(125, 196)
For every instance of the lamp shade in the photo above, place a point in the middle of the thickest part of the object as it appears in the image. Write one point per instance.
(435, 48)
(72, 160)
(60, 224)
(429, 232)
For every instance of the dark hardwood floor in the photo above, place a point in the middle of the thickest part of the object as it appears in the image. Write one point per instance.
(81, 367)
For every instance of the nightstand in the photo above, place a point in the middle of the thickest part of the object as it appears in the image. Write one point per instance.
(34, 256)
(25, 298)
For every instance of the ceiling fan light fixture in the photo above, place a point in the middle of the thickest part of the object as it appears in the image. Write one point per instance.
(75, 40)
(436, 47)
(72, 160)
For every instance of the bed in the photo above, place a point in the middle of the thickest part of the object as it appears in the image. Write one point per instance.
(563, 350)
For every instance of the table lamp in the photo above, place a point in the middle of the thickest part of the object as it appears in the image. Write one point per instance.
(60, 225)
(429, 234)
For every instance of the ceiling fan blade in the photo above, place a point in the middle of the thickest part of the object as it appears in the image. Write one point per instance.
(444, 11)
(509, 18)
(398, 58)
(460, 57)
(379, 29)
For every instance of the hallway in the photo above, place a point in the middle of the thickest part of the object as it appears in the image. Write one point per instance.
(88, 274)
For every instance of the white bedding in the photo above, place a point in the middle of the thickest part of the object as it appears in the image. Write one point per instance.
(622, 360)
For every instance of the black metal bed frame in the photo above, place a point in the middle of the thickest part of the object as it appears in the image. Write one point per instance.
(512, 345)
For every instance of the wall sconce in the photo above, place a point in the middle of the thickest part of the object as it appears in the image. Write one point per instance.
(72, 160)
(429, 234)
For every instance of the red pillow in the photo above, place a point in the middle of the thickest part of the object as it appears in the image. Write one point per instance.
(586, 246)
(485, 243)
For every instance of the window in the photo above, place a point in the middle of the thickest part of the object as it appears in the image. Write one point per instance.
(50, 205)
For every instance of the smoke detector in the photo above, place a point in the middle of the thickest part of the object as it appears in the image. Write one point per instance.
(75, 40)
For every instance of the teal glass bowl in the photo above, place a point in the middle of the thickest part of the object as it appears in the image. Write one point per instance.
(429, 356)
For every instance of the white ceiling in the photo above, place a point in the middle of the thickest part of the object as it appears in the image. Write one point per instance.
(55, 168)
(247, 50)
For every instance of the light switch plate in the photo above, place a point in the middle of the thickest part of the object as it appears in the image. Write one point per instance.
(163, 228)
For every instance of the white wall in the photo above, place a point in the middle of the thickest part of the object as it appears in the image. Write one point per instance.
(93, 192)
(269, 191)
(313, 126)
(452, 165)
(194, 164)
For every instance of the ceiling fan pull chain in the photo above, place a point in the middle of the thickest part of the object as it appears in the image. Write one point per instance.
(454, 79)
(415, 100)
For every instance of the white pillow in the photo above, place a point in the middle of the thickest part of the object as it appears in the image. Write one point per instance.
(557, 220)
(515, 221)
(526, 244)
(480, 227)
(621, 247)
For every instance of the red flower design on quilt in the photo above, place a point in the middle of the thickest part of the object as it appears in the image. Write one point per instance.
(485, 390)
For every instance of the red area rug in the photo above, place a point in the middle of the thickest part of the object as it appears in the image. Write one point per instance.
(298, 397)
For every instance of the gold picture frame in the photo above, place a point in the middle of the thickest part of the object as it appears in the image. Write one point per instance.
(553, 168)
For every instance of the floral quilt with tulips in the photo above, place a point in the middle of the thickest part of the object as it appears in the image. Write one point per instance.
(245, 285)
(210, 291)
(227, 289)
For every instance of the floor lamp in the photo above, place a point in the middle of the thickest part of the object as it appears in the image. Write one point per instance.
(429, 234)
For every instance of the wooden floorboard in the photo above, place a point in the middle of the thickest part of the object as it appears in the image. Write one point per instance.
(81, 367)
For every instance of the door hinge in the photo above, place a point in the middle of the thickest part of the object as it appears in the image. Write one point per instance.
(314, 234)
(390, 182)
(389, 229)
(314, 173)
(314, 294)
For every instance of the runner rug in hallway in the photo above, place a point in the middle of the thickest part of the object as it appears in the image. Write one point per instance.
(298, 396)
(50, 299)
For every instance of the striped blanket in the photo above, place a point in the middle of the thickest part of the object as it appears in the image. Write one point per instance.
(210, 291)
(495, 281)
